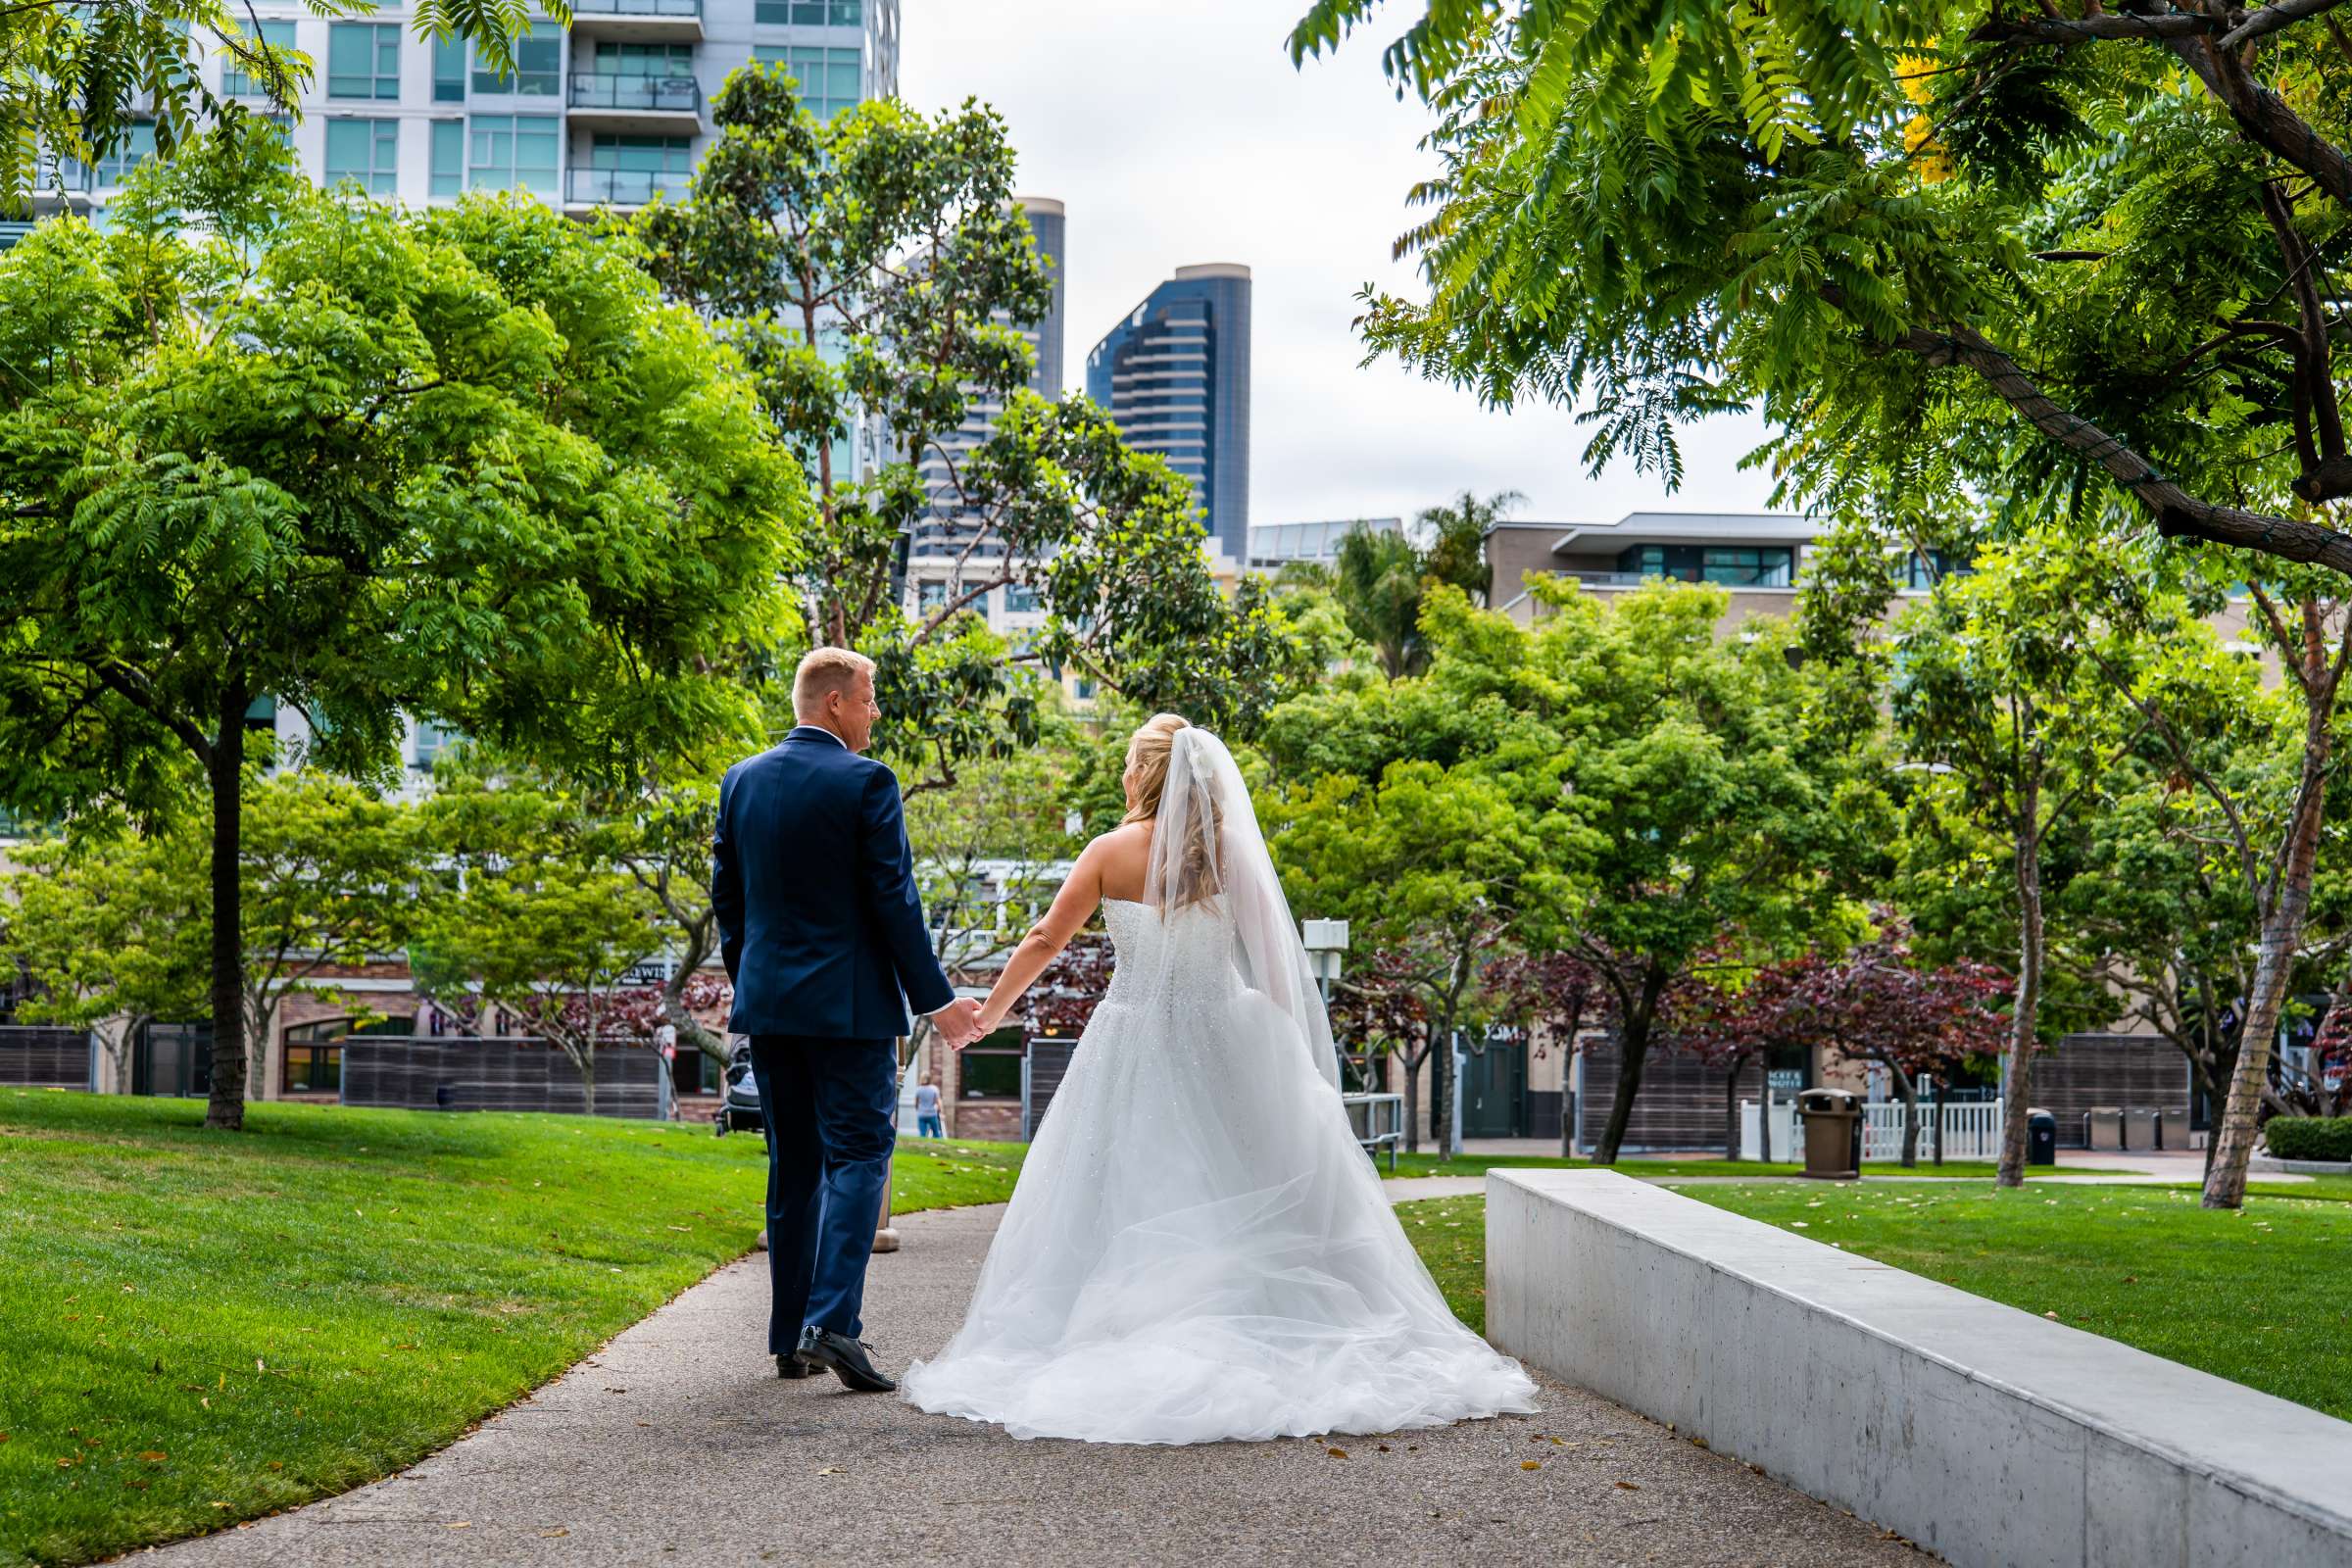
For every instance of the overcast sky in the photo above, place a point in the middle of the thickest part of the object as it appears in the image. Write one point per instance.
(1179, 132)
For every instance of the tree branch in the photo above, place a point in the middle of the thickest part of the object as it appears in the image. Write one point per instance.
(2270, 18)
(2179, 514)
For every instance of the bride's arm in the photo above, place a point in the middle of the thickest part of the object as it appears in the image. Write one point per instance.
(1072, 907)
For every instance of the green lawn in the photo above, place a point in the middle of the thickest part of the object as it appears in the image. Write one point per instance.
(205, 1327)
(1426, 1164)
(2257, 1296)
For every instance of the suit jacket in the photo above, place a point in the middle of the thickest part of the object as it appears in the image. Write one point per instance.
(813, 881)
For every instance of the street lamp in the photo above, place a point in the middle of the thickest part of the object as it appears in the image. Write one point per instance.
(1324, 941)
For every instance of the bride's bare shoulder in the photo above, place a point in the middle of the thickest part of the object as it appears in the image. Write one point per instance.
(1119, 857)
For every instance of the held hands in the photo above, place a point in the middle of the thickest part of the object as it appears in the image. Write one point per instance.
(958, 1022)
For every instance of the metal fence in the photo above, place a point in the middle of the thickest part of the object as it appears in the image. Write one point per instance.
(459, 1073)
(36, 1057)
(1971, 1130)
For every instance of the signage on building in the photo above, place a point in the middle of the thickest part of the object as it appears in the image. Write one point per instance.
(1785, 1078)
(651, 972)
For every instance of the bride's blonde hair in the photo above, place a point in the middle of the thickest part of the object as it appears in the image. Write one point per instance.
(1149, 752)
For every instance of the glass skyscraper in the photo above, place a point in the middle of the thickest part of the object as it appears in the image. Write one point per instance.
(1175, 375)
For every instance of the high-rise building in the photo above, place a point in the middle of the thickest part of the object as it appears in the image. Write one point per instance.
(942, 557)
(1175, 375)
(605, 115)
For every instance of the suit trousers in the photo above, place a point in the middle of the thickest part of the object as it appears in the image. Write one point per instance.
(827, 1105)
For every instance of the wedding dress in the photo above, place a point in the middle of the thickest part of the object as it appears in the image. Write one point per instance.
(1197, 1248)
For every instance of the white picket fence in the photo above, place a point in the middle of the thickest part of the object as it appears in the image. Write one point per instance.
(1970, 1131)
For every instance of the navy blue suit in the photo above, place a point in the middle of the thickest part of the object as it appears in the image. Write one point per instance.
(822, 929)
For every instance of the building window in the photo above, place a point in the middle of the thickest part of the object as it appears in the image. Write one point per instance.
(992, 1068)
(449, 70)
(807, 13)
(1020, 598)
(513, 151)
(1923, 572)
(314, 1069)
(831, 80)
(1763, 568)
(538, 64)
(367, 151)
(433, 742)
(449, 159)
(641, 59)
(930, 596)
(235, 80)
(135, 148)
(363, 60)
(654, 155)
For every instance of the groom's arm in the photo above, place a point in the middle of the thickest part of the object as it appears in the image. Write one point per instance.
(896, 903)
(726, 883)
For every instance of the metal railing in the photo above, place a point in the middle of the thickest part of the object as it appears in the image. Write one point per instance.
(674, 95)
(637, 8)
(623, 187)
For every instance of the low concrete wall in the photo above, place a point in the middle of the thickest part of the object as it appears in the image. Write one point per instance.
(1990, 1434)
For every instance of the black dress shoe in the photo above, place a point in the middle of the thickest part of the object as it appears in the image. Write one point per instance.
(846, 1359)
(792, 1367)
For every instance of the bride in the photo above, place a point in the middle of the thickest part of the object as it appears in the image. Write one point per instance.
(1198, 1247)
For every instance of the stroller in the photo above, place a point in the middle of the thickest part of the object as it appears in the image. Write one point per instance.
(739, 1108)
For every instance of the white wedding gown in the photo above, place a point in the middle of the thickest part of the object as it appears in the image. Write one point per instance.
(1198, 1247)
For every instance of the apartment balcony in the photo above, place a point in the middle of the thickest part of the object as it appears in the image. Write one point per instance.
(644, 20)
(586, 190)
(661, 106)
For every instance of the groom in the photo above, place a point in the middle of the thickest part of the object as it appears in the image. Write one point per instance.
(822, 930)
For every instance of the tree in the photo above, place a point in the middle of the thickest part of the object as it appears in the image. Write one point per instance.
(1556, 997)
(1613, 783)
(1875, 1004)
(543, 924)
(74, 79)
(1997, 692)
(1379, 1011)
(1380, 578)
(256, 444)
(2087, 244)
(870, 269)
(2204, 710)
(330, 876)
(107, 931)
(1434, 866)
(1730, 1019)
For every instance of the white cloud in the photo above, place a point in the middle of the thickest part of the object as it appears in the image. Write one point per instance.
(1180, 133)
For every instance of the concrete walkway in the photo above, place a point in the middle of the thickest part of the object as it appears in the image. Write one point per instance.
(676, 1444)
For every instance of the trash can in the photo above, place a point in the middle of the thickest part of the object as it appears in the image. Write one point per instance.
(2139, 1128)
(1832, 1121)
(2042, 1137)
(2172, 1130)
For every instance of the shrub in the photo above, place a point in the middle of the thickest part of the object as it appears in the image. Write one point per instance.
(2309, 1137)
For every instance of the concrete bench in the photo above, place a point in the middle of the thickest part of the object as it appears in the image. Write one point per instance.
(1991, 1436)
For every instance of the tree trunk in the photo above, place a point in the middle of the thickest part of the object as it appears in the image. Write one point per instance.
(1908, 1088)
(1633, 1053)
(1936, 1111)
(1412, 1099)
(2017, 1091)
(227, 769)
(2281, 935)
(586, 1062)
(1442, 1090)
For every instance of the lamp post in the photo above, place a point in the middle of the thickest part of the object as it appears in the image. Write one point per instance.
(1324, 941)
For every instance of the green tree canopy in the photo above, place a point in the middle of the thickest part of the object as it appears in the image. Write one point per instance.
(872, 269)
(2089, 247)
(258, 443)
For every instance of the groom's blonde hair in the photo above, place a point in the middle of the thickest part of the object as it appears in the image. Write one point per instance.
(822, 672)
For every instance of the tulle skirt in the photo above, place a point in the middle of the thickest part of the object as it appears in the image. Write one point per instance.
(1197, 1250)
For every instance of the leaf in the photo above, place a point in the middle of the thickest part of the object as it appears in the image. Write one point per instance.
(550, 1535)
(832, 1470)
(1336, 1454)
(154, 1455)
(1531, 1464)
(1626, 1485)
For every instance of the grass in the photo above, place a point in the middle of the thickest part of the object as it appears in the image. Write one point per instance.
(208, 1327)
(2255, 1296)
(1479, 1164)
(1450, 1235)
